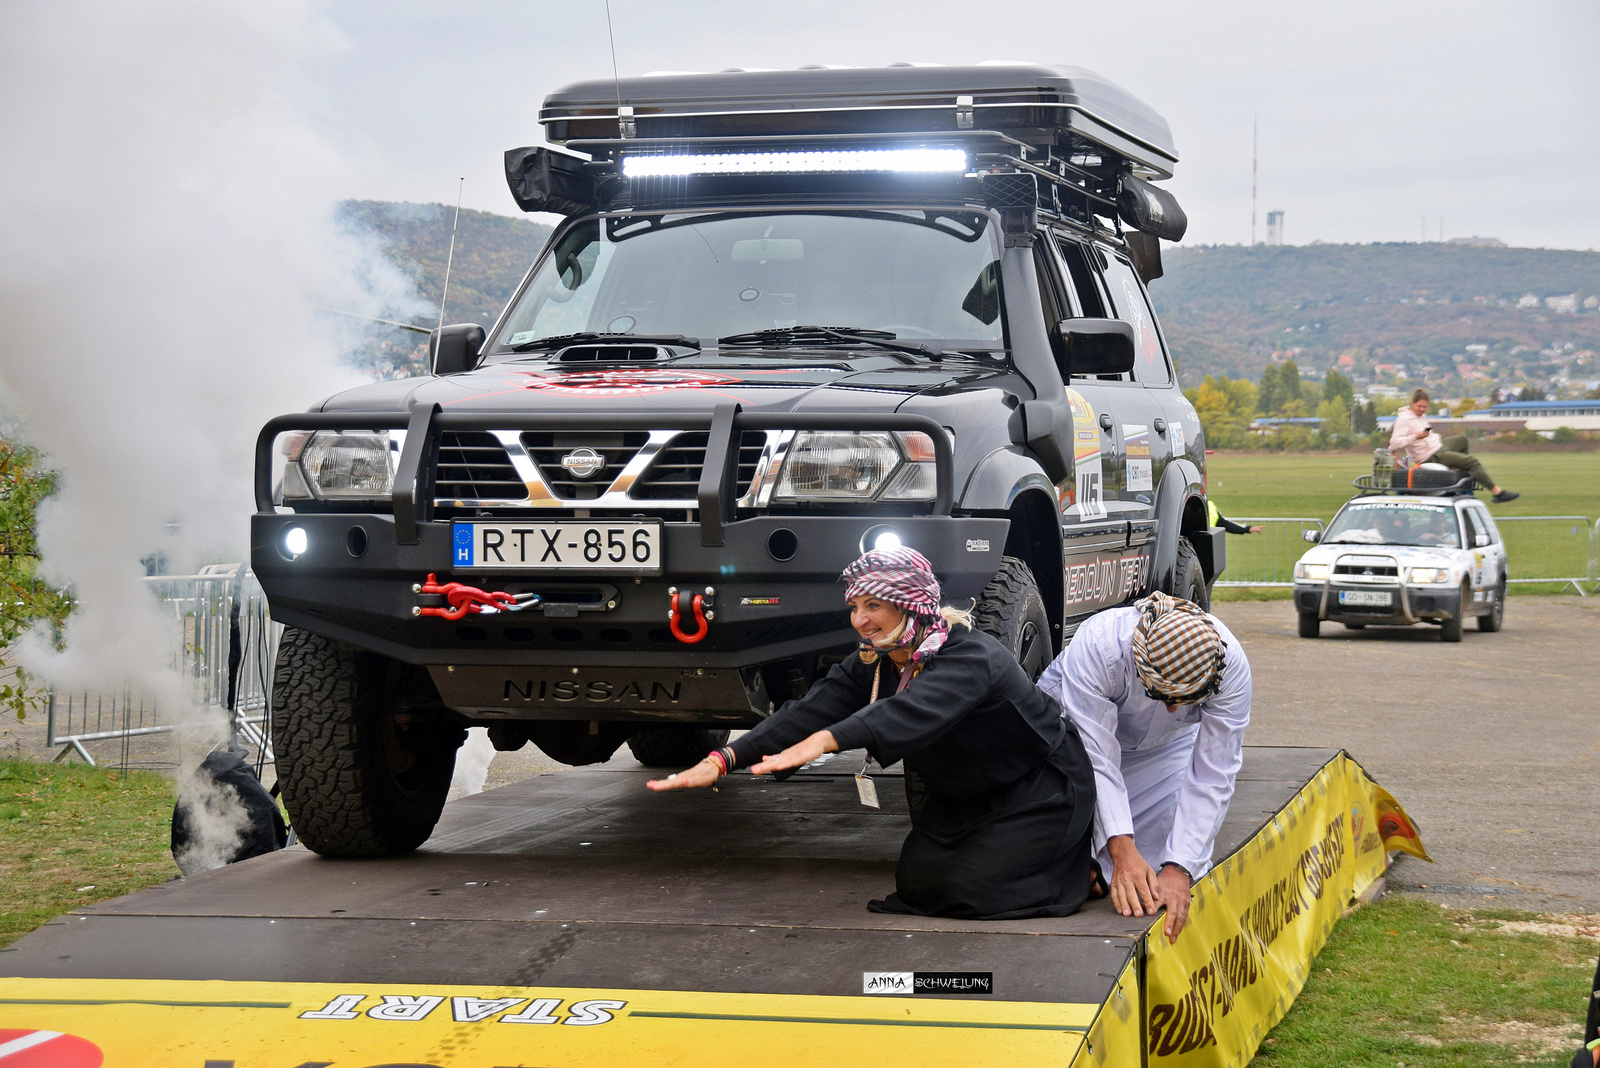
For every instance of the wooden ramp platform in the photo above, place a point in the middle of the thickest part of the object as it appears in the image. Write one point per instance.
(634, 925)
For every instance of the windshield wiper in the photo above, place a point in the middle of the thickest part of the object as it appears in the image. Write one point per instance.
(606, 338)
(837, 335)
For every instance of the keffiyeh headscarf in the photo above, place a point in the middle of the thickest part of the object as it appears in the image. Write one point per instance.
(904, 578)
(1177, 650)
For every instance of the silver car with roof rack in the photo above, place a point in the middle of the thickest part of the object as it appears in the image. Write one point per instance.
(1397, 557)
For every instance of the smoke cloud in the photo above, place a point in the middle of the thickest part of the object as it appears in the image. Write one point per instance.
(166, 225)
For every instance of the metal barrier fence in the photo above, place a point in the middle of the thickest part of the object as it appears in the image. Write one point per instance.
(224, 644)
(1562, 549)
(1550, 548)
(1268, 558)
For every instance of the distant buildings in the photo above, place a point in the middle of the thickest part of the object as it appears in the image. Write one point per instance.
(1528, 300)
(1275, 228)
(1566, 305)
(1477, 242)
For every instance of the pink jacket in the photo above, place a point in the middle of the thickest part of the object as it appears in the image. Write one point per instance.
(1413, 436)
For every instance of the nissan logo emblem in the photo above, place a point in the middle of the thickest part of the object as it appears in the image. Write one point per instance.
(583, 463)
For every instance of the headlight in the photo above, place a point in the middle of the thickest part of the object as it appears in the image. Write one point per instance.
(1430, 574)
(1311, 572)
(842, 465)
(339, 465)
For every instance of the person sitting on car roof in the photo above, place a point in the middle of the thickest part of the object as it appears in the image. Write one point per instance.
(1414, 436)
(1160, 691)
(1000, 788)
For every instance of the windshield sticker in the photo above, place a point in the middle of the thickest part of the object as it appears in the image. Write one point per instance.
(623, 383)
(1136, 445)
(520, 337)
(1086, 458)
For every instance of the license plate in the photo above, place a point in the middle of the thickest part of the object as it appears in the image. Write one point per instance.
(584, 547)
(1366, 597)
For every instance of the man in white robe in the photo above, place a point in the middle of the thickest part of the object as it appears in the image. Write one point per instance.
(1163, 724)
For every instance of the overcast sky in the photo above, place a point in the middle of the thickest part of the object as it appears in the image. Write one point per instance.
(1377, 117)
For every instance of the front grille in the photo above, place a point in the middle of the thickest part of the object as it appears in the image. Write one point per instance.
(675, 474)
(474, 466)
(547, 449)
(1365, 571)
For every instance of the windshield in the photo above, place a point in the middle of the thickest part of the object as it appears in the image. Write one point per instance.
(1391, 522)
(910, 274)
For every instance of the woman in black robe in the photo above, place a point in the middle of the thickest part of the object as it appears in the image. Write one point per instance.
(999, 785)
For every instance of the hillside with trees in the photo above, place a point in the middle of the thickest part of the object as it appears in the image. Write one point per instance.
(1461, 319)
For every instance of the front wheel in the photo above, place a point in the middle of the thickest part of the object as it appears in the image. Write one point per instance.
(1189, 579)
(1495, 618)
(1310, 625)
(1450, 628)
(362, 775)
(1011, 611)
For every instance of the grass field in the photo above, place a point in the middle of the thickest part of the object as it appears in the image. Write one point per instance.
(72, 835)
(1316, 483)
(1406, 982)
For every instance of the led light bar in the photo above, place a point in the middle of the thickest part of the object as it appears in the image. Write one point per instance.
(902, 160)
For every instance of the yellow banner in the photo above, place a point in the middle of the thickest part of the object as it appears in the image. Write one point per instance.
(1259, 918)
(74, 1023)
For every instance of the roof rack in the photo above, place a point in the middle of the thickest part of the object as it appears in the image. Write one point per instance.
(1368, 488)
(1062, 107)
(1084, 146)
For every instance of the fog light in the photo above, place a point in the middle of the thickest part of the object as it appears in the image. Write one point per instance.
(294, 542)
(882, 539)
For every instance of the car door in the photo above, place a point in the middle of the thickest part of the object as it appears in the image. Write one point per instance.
(1489, 552)
(1152, 369)
(1101, 569)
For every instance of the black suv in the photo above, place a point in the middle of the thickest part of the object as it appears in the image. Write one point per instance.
(790, 315)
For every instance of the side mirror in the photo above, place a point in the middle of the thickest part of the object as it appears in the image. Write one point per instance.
(1095, 346)
(1313, 536)
(455, 348)
(1480, 540)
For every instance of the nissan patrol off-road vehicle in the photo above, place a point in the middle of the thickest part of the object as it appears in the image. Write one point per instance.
(790, 315)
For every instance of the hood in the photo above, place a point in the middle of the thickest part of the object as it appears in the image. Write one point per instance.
(693, 384)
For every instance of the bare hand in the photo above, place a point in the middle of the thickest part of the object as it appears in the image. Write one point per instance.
(1134, 889)
(704, 773)
(1175, 894)
(803, 752)
(1256, 530)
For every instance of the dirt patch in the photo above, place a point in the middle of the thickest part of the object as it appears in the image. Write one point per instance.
(1534, 1039)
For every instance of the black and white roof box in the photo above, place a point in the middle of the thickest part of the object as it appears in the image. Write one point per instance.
(1067, 108)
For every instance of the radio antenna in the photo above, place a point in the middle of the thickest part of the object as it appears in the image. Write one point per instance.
(451, 259)
(616, 79)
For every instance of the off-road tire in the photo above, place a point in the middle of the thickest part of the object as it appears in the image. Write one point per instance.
(353, 785)
(1011, 611)
(674, 747)
(1450, 626)
(1310, 625)
(1492, 620)
(1189, 578)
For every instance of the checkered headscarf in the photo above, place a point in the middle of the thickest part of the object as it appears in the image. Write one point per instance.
(904, 578)
(1177, 650)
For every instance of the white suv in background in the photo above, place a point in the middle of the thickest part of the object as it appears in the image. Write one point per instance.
(1398, 557)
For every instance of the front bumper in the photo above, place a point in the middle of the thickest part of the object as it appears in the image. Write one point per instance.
(1407, 604)
(765, 609)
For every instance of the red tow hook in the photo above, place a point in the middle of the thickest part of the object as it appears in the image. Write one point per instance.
(466, 600)
(703, 616)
